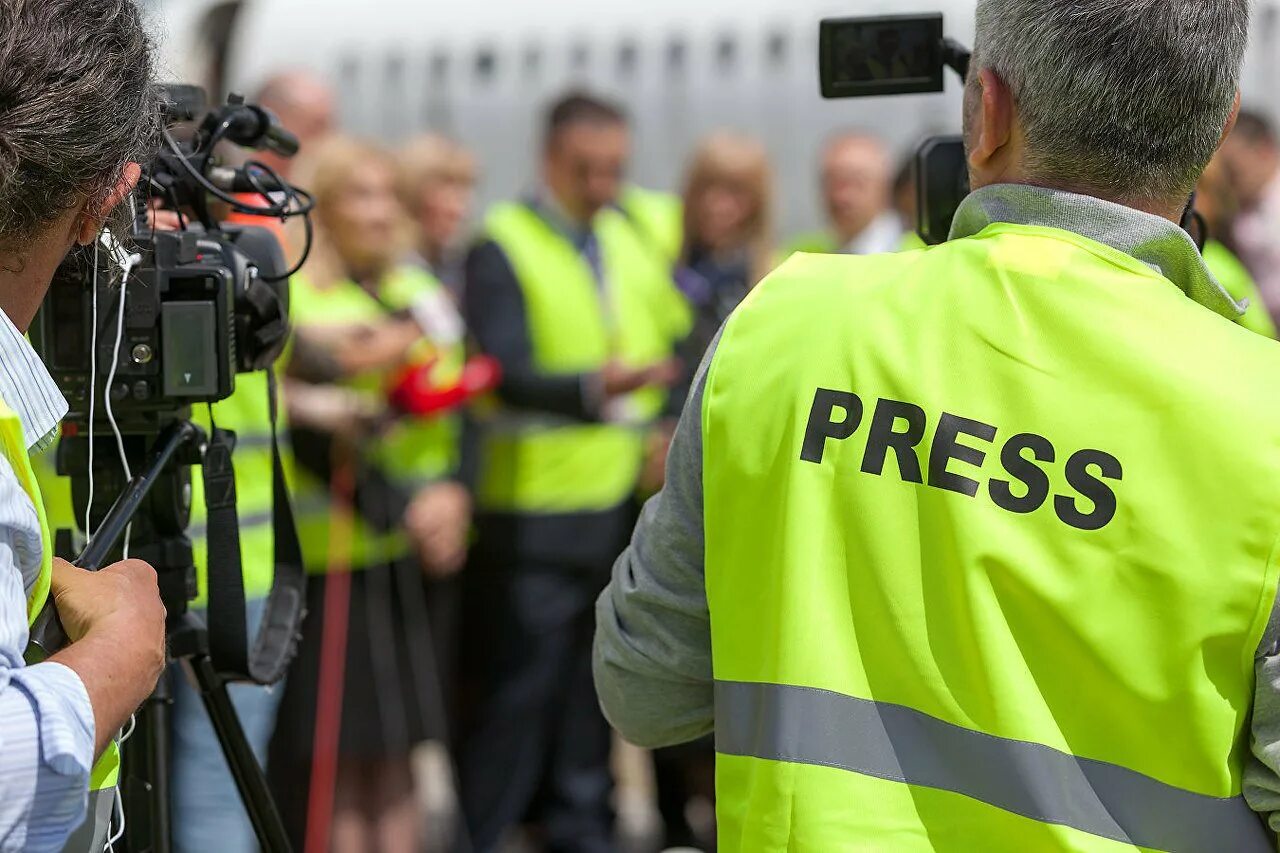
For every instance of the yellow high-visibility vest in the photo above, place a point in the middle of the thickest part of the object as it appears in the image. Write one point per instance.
(412, 453)
(540, 463)
(105, 775)
(1235, 277)
(991, 546)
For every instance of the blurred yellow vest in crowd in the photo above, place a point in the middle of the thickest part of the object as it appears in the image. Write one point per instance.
(411, 453)
(538, 463)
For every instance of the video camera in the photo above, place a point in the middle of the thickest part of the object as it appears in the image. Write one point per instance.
(136, 330)
(902, 55)
(203, 303)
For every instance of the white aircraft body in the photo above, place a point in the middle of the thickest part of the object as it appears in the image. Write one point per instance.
(483, 71)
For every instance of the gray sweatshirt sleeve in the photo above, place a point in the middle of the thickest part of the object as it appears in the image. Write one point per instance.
(653, 633)
(1262, 775)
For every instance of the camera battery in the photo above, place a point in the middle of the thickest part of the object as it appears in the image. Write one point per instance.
(189, 341)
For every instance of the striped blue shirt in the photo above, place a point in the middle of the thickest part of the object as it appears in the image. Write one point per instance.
(46, 721)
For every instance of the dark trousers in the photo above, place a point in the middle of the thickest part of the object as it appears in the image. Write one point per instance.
(534, 745)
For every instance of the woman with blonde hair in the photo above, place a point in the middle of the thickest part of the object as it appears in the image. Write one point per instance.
(437, 185)
(728, 245)
(377, 505)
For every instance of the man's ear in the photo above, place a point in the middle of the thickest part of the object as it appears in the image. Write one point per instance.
(1231, 120)
(92, 220)
(994, 121)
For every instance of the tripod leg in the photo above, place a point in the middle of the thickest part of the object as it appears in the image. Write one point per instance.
(248, 775)
(145, 776)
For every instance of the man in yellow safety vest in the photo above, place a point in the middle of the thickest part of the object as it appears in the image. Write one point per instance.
(582, 312)
(76, 110)
(974, 547)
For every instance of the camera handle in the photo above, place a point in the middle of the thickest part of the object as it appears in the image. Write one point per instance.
(956, 57)
(47, 633)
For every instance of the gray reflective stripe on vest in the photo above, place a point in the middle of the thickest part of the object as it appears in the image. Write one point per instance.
(247, 521)
(91, 836)
(312, 503)
(513, 422)
(413, 485)
(802, 725)
(256, 441)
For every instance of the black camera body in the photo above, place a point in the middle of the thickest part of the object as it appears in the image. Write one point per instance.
(198, 311)
(903, 55)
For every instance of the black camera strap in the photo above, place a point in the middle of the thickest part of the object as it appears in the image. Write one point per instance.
(224, 578)
(266, 659)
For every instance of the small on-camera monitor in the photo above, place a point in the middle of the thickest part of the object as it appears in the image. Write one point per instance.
(888, 55)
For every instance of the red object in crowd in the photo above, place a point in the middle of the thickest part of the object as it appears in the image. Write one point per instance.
(333, 629)
(415, 394)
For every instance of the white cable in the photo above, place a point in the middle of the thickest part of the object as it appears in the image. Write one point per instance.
(93, 390)
(128, 730)
(128, 265)
(117, 821)
(115, 826)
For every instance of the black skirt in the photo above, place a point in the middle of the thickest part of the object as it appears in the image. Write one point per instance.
(392, 693)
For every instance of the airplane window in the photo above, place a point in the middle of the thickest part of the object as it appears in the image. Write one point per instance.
(440, 66)
(726, 52)
(676, 50)
(349, 71)
(776, 47)
(532, 59)
(628, 58)
(486, 64)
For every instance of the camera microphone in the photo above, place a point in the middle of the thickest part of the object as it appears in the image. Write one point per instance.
(240, 181)
(275, 137)
(251, 126)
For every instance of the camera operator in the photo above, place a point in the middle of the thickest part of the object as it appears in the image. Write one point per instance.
(75, 113)
(974, 547)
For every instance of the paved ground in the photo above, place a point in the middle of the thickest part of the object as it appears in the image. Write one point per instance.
(637, 819)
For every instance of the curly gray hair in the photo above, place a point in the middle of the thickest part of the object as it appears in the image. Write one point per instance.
(76, 105)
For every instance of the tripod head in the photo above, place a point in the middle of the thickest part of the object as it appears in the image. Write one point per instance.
(151, 511)
(148, 514)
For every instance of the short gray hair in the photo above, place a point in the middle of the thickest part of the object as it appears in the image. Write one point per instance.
(1126, 99)
(76, 105)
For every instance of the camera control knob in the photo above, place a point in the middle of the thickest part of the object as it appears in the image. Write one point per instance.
(141, 390)
(142, 354)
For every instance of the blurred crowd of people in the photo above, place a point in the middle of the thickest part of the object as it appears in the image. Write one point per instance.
(457, 549)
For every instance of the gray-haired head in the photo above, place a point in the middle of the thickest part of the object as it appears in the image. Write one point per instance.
(1124, 99)
(76, 105)
(289, 92)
